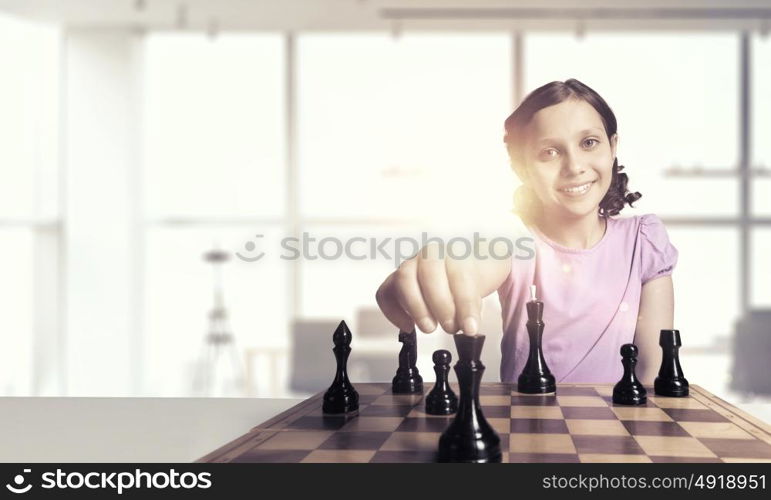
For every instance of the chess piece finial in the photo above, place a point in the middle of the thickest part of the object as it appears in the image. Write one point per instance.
(342, 335)
(629, 390)
(469, 437)
(442, 357)
(670, 380)
(629, 351)
(407, 379)
(441, 400)
(341, 397)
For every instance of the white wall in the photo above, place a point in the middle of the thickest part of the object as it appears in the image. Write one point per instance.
(100, 241)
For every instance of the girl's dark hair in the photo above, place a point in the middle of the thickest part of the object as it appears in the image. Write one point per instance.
(554, 93)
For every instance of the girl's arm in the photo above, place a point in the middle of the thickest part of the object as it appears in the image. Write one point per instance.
(657, 311)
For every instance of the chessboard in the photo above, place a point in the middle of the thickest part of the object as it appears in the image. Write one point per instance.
(579, 423)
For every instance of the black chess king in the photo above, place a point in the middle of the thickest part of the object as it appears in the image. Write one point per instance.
(536, 378)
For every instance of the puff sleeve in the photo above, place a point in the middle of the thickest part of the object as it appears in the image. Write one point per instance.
(658, 255)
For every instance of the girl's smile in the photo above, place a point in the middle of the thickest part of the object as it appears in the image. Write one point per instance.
(576, 190)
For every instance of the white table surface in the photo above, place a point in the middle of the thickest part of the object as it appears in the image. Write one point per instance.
(142, 429)
(126, 429)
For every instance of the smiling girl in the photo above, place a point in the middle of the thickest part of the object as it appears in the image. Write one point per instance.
(605, 280)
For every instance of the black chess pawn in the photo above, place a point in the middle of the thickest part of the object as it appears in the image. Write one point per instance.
(469, 437)
(441, 400)
(629, 390)
(407, 379)
(536, 378)
(670, 381)
(341, 397)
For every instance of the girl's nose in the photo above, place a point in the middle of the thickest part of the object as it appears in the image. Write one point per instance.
(572, 167)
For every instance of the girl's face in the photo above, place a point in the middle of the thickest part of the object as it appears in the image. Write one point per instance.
(568, 158)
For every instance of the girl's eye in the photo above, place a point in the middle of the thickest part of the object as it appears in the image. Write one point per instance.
(590, 143)
(548, 153)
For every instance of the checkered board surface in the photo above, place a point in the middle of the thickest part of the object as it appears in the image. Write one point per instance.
(578, 424)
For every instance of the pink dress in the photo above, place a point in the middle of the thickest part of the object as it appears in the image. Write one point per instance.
(591, 299)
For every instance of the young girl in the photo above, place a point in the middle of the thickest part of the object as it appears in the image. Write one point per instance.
(604, 281)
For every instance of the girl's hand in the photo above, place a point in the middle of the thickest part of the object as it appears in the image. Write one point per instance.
(434, 288)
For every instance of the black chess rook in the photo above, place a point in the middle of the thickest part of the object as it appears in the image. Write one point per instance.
(469, 437)
(536, 378)
(341, 397)
(670, 381)
(629, 390)
(441, 400)
(407, 379)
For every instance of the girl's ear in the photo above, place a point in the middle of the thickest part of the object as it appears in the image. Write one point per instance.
(614, 144)
(517, 164)
(519, 171)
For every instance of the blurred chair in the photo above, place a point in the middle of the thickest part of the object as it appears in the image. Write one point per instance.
(751, 371)
(374, 349)
(268, 364)
(312, 363)
(374, 352)
(374, 367)
(371, 323)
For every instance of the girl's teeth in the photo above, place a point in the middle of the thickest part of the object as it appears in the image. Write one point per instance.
(578, 189)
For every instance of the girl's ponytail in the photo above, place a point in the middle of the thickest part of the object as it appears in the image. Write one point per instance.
(618, 195)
